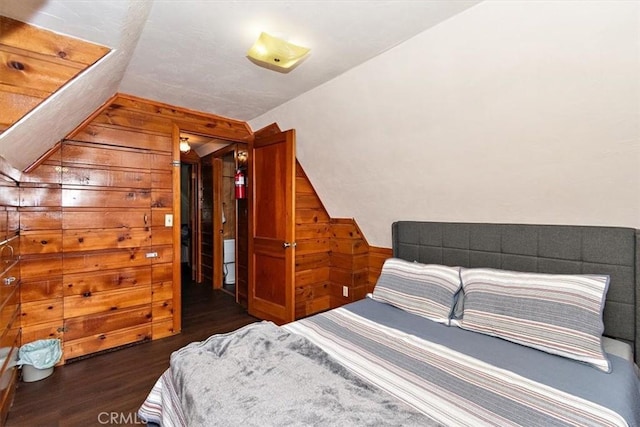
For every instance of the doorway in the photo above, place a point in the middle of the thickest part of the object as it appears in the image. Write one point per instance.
(225, 221)
(190, 222)
(228, 222)
(214, 246)
(187, 246)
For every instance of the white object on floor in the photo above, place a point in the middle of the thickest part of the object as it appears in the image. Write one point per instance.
(229, 260)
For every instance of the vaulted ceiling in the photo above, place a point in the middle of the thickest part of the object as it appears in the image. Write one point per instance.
(193, 54)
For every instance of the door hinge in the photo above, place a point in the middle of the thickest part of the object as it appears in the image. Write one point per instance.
(63, 329)
(288, 245)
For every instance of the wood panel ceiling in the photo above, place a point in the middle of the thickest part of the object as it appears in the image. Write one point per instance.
(35, 63)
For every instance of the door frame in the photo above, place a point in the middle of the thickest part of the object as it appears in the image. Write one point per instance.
(175, 188)
(196, 216)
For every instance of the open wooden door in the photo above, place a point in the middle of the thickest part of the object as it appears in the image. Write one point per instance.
(272, 162)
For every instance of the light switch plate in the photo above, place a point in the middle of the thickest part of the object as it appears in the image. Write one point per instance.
(345, 291)
(168, 220)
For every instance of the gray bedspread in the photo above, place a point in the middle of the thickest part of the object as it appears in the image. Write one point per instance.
(462, 378)
(265, 375)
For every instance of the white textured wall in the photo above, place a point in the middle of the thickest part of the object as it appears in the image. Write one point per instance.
(518, 112)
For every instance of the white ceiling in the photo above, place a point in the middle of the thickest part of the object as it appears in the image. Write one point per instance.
(192, 53)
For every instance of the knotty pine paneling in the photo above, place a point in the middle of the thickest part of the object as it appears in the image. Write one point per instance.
(110, 184)
(98, 239)
(162, 328)
(161, 179)
(40, 266)
(161, 199)
(38, 312)
(106, 218)
(162, 310)
(48, 172)
(41, 235)
(42, 331)
(37, 219)
(104, 341)
(40, 242)
(162, 272)
(120, 278)
(10, 194)
(84, 262)
(13, 222)
(333, 246)
(19, 35)
(124, 178)
(16, 105)
(106, 301)
(377, 257)
(4, 221)
(206, 221)
(36, 63)
(105, 198)
(80, 327)
(313, 231)
(44, 196)
(165, 254)
(162, 291)
(197, 122)
(37, 290)
(121, 137)
(162, 235)
(311, 216)
(107, 274)
(103, 156)
(37, 72)
(312, 259)
(10, 318)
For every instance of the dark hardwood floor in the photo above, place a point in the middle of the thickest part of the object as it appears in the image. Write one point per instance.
(107, 389)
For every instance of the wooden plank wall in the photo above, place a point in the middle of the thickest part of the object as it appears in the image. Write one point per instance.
(206, 224)
(41, 235)
(331, 254)
(10, 285)
(96, 205)
(35, 64)
(99, 261)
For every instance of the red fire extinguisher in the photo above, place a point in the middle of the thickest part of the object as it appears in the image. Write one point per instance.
(241, 189)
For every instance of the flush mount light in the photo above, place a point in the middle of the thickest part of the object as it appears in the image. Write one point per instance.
(184, 144)
(276, 54)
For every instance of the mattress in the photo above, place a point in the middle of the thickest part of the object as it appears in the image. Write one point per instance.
(453, 376)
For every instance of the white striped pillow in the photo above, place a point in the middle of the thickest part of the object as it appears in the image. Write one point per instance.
(557, 313)
(428, 290)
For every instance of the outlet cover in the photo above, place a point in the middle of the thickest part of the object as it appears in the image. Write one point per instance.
(168, 220)
(345, 291)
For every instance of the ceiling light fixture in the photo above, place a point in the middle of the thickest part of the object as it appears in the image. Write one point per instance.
(275, 53)
(184, 145)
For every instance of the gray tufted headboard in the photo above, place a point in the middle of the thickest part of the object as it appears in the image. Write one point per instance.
(538, 248)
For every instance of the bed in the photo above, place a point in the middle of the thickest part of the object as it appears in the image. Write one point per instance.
(469, 324)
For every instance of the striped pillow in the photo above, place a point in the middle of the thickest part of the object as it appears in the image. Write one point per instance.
(427, 290)
(557, 313)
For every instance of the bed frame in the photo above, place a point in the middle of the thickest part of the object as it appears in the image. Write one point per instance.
(538, 248)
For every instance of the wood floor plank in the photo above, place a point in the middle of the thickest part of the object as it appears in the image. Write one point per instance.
(108, 389)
